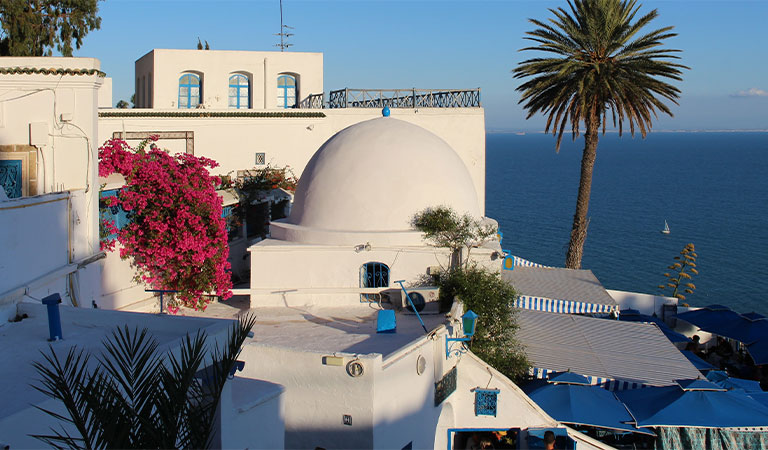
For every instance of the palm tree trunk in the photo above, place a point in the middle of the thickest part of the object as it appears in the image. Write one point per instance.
(580, 220)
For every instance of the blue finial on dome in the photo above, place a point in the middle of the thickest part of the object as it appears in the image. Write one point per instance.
(385, 111)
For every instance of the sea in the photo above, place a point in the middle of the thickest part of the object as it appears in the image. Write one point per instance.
(711, 187)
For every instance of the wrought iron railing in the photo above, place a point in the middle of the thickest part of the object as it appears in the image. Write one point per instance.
(313, 101)
(404, 98)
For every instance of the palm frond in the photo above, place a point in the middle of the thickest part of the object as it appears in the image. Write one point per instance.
(602, 60)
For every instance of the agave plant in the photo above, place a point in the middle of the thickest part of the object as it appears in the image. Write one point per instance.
(136, 397)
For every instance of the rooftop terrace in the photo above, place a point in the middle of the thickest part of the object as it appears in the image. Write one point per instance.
(327, 329)
(24, 341)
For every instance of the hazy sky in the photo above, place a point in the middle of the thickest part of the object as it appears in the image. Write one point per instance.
(447, 44)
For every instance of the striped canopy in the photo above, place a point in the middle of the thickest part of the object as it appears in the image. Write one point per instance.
(605, 383)
(562, 306)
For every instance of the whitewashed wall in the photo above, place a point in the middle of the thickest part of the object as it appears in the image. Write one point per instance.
(294, 274)
(317, 396)
(234, 141)
(252, 415)
(404, 409)
(44, 234)
(515, 409)
(647, 304)
(157, 75)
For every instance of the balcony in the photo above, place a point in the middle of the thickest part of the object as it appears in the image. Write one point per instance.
(395, 98)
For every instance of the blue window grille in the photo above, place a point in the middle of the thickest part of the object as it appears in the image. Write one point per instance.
(234, 227)
(485, 402)
(114, 213)
(239, 92)
(189, 91)
(374, 275)
(11, 177)
(286, 91)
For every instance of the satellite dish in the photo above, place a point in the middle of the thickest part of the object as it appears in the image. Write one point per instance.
(417, 300)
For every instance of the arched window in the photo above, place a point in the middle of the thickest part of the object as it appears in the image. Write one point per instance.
(239, 92)
(189, 91)
(286, 91)
(374, 275)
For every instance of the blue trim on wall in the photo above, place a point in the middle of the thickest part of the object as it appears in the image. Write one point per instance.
(283, 90)
(241, 85)
(190, 82)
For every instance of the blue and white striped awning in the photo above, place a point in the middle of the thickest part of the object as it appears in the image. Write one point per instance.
(609, 351)
(562, 306)
(605, 383)
(521, 262)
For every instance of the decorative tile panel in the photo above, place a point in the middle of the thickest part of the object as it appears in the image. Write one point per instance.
(486, 401)
(10, 177)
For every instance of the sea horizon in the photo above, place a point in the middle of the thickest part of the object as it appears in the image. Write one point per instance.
(709, 186)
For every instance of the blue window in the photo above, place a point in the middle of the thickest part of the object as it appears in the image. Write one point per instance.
(374, 275)
(286, 91)
(189, 91)
(113, 213)
(239, 92)
(234, 226)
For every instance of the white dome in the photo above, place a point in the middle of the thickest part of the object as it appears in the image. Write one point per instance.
(367, 182)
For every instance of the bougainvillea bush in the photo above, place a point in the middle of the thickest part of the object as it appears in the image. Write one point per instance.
(176, 238)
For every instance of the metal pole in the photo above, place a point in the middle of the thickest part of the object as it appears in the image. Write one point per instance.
(282, 48)
(407, 296)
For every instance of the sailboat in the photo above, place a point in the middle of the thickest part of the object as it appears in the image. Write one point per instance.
(666, 228)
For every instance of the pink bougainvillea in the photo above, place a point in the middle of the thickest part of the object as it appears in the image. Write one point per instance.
(176, 237)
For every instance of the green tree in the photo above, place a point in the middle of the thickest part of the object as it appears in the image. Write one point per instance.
(678, 279)
(603, 66)
(492, 299)
(37, 27)
(134, 397)
(444, 227)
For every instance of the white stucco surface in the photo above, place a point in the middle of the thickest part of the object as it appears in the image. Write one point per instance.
(234, 141)
(373, 177)
(48, 121)
(647, 304)
(157, 75)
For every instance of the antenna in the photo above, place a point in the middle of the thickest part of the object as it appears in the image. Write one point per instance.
(283, 33)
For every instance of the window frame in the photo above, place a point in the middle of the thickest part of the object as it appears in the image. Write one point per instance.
(376, 275)
(283, 89)
(238, 89)
(189, 86)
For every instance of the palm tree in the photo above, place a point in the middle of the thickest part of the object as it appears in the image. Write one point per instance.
(602, 62)
(133, 397)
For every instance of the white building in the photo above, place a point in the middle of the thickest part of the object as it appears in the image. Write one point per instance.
(48, 161)
(346, 386)
(255, 406)
(349, 232)
(220, 79)
(269, 133)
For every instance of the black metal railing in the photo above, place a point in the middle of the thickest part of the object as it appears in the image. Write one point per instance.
(404, 98)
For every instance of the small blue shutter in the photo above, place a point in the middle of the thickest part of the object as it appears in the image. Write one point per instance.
(10, 177)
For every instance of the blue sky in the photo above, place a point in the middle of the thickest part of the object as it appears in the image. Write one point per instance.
(447, 44)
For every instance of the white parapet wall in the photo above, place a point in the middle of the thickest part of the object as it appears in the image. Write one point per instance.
(48, 127)
(647, 304)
